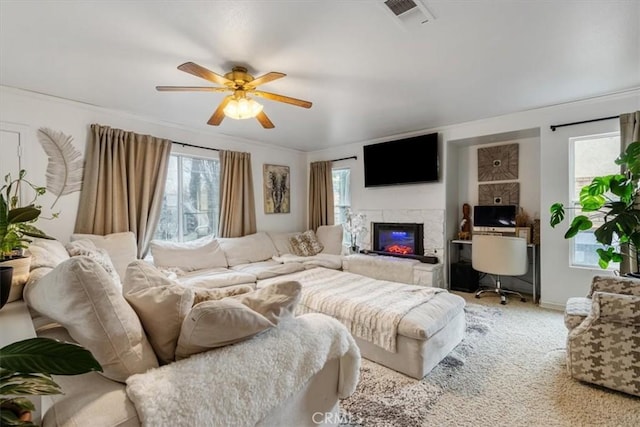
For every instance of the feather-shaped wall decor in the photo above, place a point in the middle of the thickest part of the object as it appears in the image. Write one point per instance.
(65, 168)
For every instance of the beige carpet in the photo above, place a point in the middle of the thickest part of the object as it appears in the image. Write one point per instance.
(509, 371)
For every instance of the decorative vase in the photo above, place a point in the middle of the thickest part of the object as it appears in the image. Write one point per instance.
(354, 249)
(6, 274)
(20, 275)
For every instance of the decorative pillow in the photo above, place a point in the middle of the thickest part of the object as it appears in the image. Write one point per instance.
(330, 236)
(251, 248)
(121, 247)
(86, 247)
(188, 256)
(217, 323)
(202, 295)
(46, 253)
(80, 295)
(281, 241)
(275, 302)
(161, 305)
(305, 244)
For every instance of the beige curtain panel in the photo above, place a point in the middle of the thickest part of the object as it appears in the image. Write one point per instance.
(629, 128)
(629, 132)
(123, 185)
(320, 195)
(237, 202)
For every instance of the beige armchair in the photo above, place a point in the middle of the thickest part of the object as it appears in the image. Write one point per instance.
(603, 345)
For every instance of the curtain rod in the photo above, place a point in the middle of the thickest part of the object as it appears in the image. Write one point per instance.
(345, 158)
(553, 127)
(184, 144)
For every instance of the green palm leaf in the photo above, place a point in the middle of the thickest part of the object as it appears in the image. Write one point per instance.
(44, 355)
(16, 383)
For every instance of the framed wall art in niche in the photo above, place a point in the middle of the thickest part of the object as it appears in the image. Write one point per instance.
(499, 194)
(498, 163)
(277, 188)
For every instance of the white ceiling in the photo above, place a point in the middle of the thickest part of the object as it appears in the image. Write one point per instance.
(368, 74)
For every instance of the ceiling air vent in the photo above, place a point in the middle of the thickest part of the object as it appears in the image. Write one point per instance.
(398, 7)
(410, 13)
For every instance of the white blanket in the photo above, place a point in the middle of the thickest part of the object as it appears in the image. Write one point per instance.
(370, 308)
(240, 384)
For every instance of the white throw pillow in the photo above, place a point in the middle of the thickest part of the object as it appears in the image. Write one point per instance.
(275, 302)
(188, 256)
(86, 247)
(202, 295)
(281, 241)
(217, 323)
(80, 295)
(46, 253)
(252, 248)
(161, 305)
(121, 247)
(330, 236)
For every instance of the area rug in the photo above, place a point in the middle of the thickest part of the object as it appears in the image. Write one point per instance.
(509, 370)
(385, 397)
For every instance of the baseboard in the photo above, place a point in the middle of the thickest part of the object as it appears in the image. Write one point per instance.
(552, 306)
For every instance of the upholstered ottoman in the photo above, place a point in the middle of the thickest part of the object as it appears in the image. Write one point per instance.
(425, 336)
(430, 325)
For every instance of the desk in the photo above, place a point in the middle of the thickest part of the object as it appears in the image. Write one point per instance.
(456, 245)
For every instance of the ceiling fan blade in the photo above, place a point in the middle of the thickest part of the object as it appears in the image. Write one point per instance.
(191, 89)
(197, 70)
(269, 77)
(218, 115)
(282, 98)
(264, 120)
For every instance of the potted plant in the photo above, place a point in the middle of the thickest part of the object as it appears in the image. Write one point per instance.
(616, 199)
(16, 226)
(26, 369)
(355, 226)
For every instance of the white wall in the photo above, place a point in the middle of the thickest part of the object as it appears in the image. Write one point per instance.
(28, 112)
(558, 280)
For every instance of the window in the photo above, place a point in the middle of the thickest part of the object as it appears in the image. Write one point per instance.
(590, 156)
(191, 197)
(341, 194)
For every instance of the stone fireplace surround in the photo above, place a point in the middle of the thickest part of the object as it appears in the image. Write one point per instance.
(432, 219)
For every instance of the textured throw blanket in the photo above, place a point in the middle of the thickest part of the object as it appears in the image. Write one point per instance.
(240, 384)
(370, 308)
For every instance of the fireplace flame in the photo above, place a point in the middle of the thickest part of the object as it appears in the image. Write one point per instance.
(399, 249)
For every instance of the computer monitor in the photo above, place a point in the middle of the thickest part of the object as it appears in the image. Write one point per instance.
(499, 218)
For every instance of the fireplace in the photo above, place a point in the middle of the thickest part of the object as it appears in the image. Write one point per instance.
(398, 239)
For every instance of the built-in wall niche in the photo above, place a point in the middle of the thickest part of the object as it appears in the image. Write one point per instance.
(465, 183)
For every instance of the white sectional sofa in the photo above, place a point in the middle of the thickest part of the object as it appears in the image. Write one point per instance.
(134, 391)
(424, 333)
(243, 260)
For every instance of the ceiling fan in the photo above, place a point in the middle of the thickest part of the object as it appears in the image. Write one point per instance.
(238, 105)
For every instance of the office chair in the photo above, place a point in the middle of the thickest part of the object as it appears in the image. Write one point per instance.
(499, 255)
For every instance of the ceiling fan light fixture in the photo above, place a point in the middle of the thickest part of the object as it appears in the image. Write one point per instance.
(242, 108)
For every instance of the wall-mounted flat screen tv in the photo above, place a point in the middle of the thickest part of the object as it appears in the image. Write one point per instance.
(405, 161)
